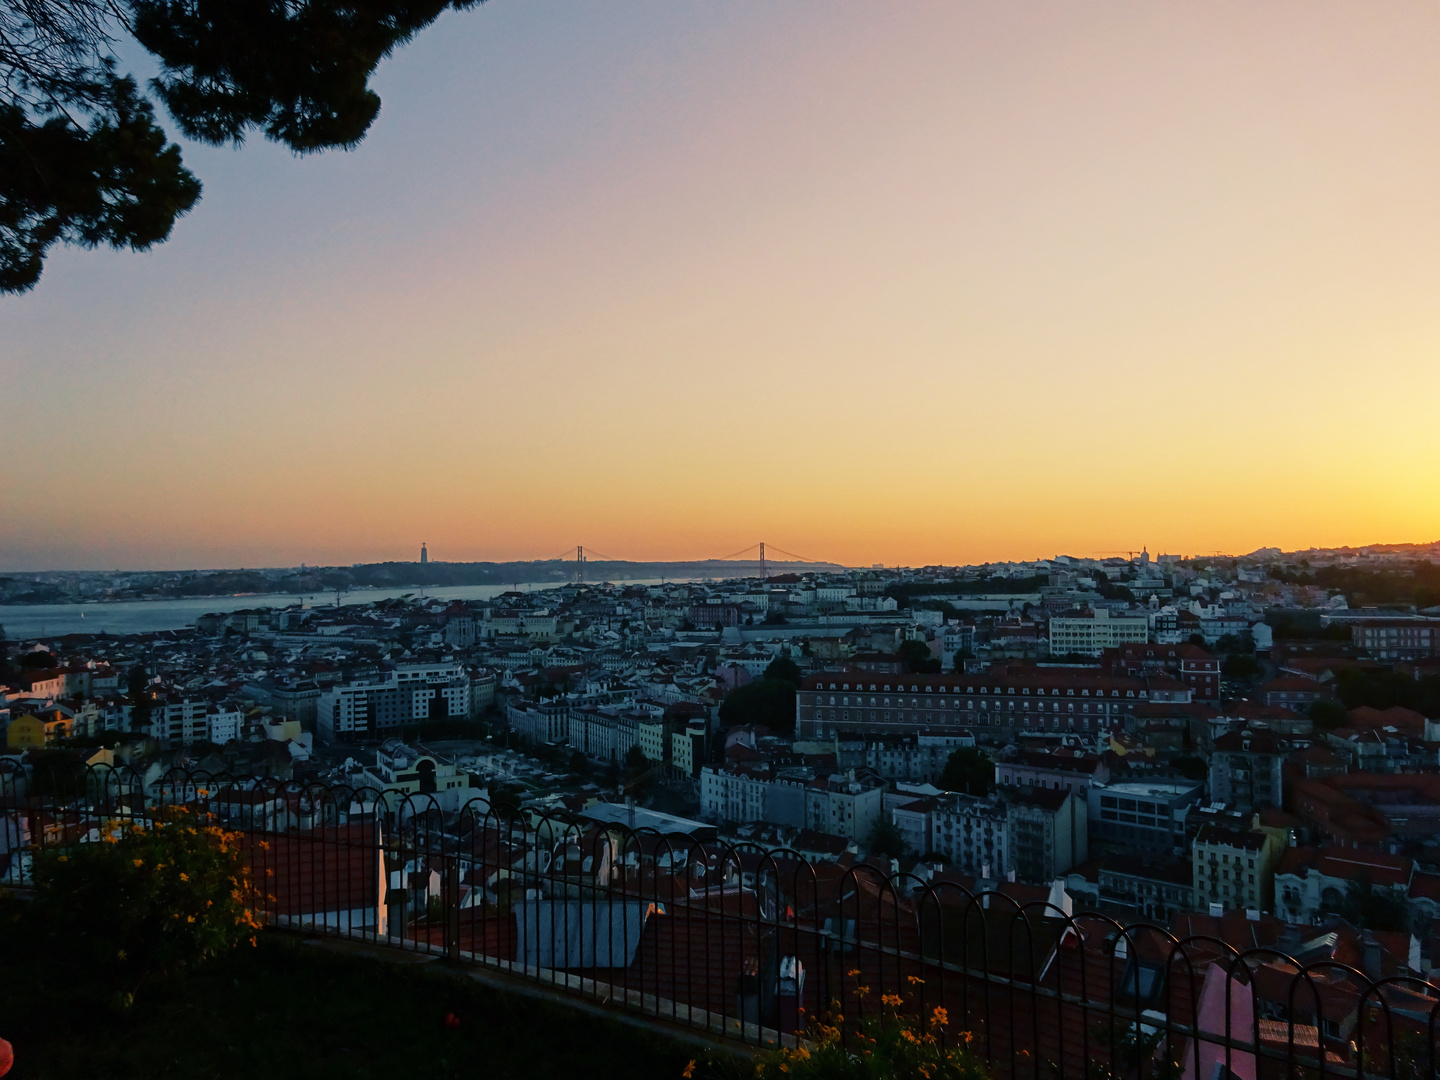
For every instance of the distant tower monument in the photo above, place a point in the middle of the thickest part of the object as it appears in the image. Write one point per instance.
(424, 555)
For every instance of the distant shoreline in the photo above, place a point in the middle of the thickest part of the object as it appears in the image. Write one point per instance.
(554, 574)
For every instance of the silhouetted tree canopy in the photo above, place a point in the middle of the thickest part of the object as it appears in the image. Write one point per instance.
(770, 702)
(917, 658)
(1193, 767)
(1329, 715)
(782, 667)
(82, 158)
(886, 840)
(1373, 908)
(969, 770)
(1240, 666)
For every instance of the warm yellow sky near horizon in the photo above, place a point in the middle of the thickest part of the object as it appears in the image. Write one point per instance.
(923, 283)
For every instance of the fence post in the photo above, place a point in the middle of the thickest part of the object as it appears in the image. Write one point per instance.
(452, 908)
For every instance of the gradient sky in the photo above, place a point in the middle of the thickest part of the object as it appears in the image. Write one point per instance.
(899, 283)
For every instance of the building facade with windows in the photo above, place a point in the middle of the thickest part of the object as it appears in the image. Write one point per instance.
(1090, 633)
(1142, 815)
(1234, 869)
(1002, 702)
(970, 833)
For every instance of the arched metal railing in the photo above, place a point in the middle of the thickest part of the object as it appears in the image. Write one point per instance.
(746, 941)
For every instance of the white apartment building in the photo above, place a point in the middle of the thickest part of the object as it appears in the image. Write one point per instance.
(538, 625)
(916, 821)
(223, 722)
(732, 794)
(433, 690)
(545, 722)
(687, 748)
(410, 693)
(1092, 632)
(837, 803)
(918, 758)
(356, 709)
(969, 831)
(953, 638)
(650, 735)
(603, 735)
(177, 722)
(1234, 869)
(843, 805)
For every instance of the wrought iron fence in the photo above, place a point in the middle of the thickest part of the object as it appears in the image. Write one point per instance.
(749, 943)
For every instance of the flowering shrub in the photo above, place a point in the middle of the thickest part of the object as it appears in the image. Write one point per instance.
(147, 899)
(896, 1044)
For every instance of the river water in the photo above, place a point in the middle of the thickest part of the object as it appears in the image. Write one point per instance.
(23, 621)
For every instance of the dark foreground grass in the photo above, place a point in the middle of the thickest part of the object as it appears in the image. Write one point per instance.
(283, 1010)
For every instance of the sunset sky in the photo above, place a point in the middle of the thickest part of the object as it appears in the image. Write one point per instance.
(899, 283)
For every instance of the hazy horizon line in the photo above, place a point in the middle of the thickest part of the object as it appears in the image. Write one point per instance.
(738, 563)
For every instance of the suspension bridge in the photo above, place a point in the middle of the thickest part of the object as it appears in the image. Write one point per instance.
(581, 556)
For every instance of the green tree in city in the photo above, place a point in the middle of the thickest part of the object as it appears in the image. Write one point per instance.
(770, 702)
(885, 840)
(1193, 767)
(1239, 666)
(1329, 715)
(138, 693)
(1372, 908)
(969, 770)
(782, 667)
(917, 658)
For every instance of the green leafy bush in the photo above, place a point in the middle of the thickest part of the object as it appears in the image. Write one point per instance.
(145, 899)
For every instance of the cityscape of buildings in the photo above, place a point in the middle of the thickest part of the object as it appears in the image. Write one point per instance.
(1154, 738)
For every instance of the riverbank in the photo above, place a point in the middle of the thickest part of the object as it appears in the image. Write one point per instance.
(118, 617)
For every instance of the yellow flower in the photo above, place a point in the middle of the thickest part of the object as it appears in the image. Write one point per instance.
(939, 1016)
(689, 1070)
(184, 877)
(915, 980)
(853, 972)
(890, 999)
(138, 862)
(189, 918)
